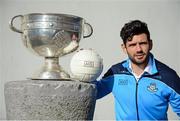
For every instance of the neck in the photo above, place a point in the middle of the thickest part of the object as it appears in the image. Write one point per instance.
(138, 68)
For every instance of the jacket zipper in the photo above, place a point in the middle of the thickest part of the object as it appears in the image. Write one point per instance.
(137, 101)
(136, 97)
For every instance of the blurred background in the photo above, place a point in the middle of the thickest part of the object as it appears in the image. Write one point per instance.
(107, 17)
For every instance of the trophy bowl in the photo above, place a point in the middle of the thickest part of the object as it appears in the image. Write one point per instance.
(51, 36)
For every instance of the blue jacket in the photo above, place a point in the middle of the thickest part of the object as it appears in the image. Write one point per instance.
(146, 99)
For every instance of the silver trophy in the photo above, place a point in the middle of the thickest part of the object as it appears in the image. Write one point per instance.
(51, 36)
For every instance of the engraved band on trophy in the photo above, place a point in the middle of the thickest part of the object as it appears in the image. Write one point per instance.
(51, 36)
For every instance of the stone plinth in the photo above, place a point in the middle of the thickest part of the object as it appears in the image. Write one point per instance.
(49, 100)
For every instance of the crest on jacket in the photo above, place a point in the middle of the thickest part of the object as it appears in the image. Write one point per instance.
(152, 87)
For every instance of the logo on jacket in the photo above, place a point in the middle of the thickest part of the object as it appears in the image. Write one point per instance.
(123, 82)
(152, 87)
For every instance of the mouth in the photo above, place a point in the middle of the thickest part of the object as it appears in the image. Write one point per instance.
(139, 56)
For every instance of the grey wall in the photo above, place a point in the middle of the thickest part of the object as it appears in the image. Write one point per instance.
(107, 17)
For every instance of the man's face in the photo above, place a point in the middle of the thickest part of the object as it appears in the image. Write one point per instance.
(138, 49)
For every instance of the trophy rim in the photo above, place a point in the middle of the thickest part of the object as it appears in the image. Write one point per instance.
(53, 14)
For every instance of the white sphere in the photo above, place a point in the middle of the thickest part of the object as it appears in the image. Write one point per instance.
(86, 65)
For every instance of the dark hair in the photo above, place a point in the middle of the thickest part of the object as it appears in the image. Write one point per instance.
(132, 28)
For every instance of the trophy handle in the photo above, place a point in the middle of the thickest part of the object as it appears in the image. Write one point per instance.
(91, 30)
(12, 27)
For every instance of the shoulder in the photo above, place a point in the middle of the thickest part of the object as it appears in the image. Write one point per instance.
(118, 66)
(168, 76)
(165, 70)
(116, 69)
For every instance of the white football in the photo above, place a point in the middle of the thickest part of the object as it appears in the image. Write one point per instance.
(86, 65)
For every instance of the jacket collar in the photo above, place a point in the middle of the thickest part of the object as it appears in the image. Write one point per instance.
(150, 69)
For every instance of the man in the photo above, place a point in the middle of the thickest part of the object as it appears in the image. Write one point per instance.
(142, 86)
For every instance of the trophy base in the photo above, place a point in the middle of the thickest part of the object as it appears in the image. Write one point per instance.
(65, 79)
(50, 75)
(51, 71)
(49, 100)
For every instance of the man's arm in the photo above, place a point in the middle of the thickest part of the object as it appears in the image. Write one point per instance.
(105, 85)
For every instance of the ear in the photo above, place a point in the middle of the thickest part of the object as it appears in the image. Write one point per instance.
(150, 44)
(123, 46)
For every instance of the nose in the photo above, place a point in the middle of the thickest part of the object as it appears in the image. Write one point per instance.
(138, 47)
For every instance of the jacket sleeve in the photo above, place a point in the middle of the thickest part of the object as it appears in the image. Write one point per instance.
(174, 98)
(105, 85)
(175, 102)
(171, 78)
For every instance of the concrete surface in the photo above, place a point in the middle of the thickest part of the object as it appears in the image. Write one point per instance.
(49, 100)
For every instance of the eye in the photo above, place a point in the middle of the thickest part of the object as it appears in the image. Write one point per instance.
(132, 45)
(143, 43)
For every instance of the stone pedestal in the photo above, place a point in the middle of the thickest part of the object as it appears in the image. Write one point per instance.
(49, 100)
